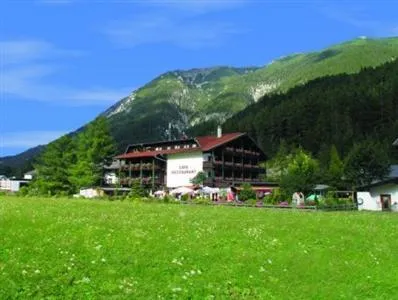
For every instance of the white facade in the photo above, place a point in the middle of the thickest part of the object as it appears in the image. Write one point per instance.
(371, 200)
(90, 193)
(11, 185)
(111, 178)
(182, 167)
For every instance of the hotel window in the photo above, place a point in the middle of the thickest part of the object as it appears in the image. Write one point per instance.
(177, 147)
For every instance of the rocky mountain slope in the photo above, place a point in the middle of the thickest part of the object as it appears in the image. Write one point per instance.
(191, 99)
(194, 101)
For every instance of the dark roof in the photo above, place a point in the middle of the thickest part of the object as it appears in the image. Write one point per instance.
(159, 143)
(393, 171)
(390, 178)
(116, 164)
(32, 172)
(156, 153)
(210, 142)
(205, 143)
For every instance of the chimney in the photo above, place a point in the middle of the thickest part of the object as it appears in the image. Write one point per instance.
(169, 131)
(219, 131)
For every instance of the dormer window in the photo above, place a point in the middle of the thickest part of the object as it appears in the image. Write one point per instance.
(193, 145)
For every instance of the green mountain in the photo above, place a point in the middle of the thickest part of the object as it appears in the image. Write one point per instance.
(194, 101)
(338, 110)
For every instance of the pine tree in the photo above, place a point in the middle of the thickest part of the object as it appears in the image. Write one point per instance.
(199, 178)
(94, 149)
(52, 168)
(301, 174)
(335, 169)
(367, 161)
(277, 167)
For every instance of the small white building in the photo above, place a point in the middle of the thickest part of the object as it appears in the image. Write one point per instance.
(381, 195)
(91, 192)
(29, 175)
(110, 175)
(12, 185)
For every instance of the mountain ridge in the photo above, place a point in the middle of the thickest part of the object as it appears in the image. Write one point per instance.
(197, 99)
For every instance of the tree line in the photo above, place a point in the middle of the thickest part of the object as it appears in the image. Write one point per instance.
(72, 162)
(345, 114)
(298, 170)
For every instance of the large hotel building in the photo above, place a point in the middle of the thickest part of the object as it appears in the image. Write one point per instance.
(227, 160)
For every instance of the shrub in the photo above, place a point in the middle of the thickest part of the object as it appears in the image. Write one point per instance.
(330, 199)
(247, 192)
(23, 191)
(276, 196)
(185, 198)
(251, 202)
(202, 200)
(137, 190)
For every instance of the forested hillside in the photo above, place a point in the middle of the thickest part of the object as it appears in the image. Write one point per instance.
(194, 101)
(337, 110)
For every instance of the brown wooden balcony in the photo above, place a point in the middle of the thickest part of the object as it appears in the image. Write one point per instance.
(208, 164)
(144, 180)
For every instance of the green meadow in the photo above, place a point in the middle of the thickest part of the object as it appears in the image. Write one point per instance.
(91, 249)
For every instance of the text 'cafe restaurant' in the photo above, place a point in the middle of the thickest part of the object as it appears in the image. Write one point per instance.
(226, 159)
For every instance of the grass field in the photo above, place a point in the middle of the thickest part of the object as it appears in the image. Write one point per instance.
(80, 249)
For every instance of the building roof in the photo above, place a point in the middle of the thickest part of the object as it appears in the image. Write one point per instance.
(205, 143)
(209, 142)
(32, 172)
(160, 143)
(321, 187)
(145, 154)
(395, 143)
(392, 177)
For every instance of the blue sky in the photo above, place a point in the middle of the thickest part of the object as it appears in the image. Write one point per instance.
(64, 62)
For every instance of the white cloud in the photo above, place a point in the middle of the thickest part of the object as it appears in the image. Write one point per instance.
(181, 23)
(24, 51)
(98, 95)
(358, 17)
(27, 68)
(27, 139)
(354, 18)
(153, 29)
(30, 83)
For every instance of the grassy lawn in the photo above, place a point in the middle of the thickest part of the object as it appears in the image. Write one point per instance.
(81, 249)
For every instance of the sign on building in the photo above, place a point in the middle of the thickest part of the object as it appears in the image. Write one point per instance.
(182, 167)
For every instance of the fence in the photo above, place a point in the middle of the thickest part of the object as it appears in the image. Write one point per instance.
(340, 207)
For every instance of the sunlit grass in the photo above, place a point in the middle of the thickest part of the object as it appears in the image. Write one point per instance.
(97, 249)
